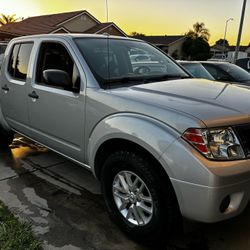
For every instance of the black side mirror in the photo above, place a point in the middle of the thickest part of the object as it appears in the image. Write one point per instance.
(56, 77)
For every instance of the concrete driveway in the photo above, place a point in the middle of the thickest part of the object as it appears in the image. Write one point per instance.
(64, 205)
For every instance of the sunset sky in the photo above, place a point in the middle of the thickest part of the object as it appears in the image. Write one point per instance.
(152, 17)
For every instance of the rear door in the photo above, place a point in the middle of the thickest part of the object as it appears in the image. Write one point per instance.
(14, 80)
(57, 114)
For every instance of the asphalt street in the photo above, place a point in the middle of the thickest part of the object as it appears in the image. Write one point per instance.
(63, 203)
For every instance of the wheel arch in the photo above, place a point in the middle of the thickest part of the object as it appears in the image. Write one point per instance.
(113, 145)
(126, 131)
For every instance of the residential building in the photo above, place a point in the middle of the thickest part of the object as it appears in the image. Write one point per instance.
(170, 44)
(218, 49)
(69, 22)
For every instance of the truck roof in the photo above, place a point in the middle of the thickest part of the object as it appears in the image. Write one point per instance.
(72, 35)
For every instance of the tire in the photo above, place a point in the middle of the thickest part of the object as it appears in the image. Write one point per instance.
(148, 216)
(6, 138)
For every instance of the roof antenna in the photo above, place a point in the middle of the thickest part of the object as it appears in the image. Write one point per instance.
(107, 19)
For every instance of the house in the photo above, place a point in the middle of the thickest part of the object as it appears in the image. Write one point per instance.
(69, 22)
(6, 36)
(248, 51)
(243, 48)
(218, 49)
(170, 44)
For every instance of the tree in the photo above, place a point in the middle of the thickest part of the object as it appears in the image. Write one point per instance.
(199, 31)
(5, 19)
(196, 46)
(220, 42)
(136, 34)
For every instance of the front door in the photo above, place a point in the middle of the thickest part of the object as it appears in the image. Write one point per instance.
(57, 113)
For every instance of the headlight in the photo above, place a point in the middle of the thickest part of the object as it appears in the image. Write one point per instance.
(221, 143)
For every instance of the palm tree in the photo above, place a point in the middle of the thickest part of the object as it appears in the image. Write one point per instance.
(5, 19)
(199, 31)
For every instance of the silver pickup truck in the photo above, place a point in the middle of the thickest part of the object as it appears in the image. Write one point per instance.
(164, 146)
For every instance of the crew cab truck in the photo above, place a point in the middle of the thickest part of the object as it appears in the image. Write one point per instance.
(164, 146)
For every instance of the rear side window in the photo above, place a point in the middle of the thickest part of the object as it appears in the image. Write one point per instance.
(19, 60)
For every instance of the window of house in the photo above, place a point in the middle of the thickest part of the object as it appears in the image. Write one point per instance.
(55, 56)
(19, 60)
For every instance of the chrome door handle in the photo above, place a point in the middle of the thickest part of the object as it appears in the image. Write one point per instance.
(33, 95)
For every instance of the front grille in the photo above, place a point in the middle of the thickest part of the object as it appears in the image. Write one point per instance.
(243, 133)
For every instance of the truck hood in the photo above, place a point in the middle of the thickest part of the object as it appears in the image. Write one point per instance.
(213, 103)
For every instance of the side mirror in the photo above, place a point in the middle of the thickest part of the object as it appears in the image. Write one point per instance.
(56, 77)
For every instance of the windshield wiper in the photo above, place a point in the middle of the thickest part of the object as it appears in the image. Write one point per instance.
(166, 77)
(142, 80)
(126, 79)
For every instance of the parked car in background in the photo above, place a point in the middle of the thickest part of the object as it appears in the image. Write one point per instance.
(228, 57)
(231, 55)
(244, 63)
(218, 57)
(138, 58)
(196, 69)
(227, 72)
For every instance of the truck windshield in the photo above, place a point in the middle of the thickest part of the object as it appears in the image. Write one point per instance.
(118, 61)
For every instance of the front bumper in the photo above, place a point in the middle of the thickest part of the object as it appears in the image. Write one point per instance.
(211, 204)
(207, 191)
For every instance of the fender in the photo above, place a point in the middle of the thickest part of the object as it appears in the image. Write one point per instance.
(151, 134)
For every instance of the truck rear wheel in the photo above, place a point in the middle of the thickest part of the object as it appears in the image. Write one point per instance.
(137, 199)
(6, 137)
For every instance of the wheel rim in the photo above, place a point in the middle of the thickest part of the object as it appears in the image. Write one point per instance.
(132, 198)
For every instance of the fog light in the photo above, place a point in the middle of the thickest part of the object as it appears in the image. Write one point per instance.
(225, 204)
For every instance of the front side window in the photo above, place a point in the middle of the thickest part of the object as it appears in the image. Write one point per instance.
(19, 60)
(127, 61)
(54, 56)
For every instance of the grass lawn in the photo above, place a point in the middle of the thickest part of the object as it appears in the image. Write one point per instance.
(15, 235)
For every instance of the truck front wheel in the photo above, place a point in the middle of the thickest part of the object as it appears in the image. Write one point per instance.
(137, 199)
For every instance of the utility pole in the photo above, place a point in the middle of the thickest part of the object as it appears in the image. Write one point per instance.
(224, 40)
(240, 31)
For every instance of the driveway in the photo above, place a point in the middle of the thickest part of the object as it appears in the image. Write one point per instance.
(63, 203)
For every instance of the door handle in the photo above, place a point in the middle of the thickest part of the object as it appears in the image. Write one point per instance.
(33, 95)
(5, 88)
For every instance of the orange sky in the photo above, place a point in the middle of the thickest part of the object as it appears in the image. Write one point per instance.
(152, 17)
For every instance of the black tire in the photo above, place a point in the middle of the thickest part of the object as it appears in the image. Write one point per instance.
(166, 218)
(6, 138)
